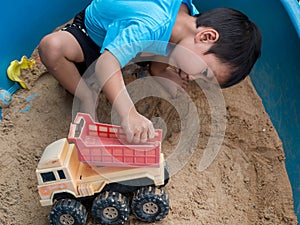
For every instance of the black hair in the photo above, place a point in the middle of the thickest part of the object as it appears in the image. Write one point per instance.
(239, 43)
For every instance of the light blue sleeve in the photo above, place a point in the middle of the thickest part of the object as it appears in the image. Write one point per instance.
(193, 10)
(127, 42)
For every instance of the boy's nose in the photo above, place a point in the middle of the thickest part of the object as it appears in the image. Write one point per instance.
(183, 75)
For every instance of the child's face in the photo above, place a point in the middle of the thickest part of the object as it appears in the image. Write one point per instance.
(195, 64)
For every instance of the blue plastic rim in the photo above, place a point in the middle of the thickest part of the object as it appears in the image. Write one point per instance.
(27, 23)
(275, 76)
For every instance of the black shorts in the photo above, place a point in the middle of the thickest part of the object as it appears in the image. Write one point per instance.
(90, 49)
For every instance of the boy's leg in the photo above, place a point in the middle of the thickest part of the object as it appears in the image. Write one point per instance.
(59, 51)
(62, 52)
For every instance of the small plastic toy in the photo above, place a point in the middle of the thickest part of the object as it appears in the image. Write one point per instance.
(5, 98)
(94, 163)
(14, 69)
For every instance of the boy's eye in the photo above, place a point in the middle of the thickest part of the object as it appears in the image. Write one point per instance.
(205, 72)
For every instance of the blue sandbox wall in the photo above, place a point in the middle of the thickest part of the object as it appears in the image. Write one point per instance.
(25, 23)
(276, 76)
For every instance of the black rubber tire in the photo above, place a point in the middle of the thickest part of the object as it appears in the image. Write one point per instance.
(67, 212)
(150, 204)
(110, 208)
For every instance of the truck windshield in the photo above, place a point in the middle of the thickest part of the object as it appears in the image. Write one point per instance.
(48, 177)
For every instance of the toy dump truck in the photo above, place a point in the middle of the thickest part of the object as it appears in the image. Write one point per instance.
(95, 162)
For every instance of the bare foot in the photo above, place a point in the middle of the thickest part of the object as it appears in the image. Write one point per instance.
(89, 105)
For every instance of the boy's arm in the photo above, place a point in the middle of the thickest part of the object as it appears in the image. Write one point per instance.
(137, 127)
(168, 77)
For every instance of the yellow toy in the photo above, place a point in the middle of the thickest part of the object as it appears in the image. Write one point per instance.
(14, 69)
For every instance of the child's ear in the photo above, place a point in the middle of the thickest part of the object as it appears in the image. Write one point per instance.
(207, 35)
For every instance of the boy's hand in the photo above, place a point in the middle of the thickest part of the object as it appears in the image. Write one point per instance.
(138, 128)
(171, 79)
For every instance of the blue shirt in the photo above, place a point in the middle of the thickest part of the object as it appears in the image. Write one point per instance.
(128, 27)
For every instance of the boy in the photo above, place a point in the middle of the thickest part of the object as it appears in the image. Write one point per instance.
(224, 39)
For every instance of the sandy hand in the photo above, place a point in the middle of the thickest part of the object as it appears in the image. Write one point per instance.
(138, 128)
(173, 82)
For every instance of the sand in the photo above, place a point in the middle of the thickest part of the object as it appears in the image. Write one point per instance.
(246, 182)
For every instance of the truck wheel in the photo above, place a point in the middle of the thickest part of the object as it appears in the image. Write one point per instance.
(150, 204)
(110, 208)
(68, 212)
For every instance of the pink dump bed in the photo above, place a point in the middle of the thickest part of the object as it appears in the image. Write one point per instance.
(104, 145)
